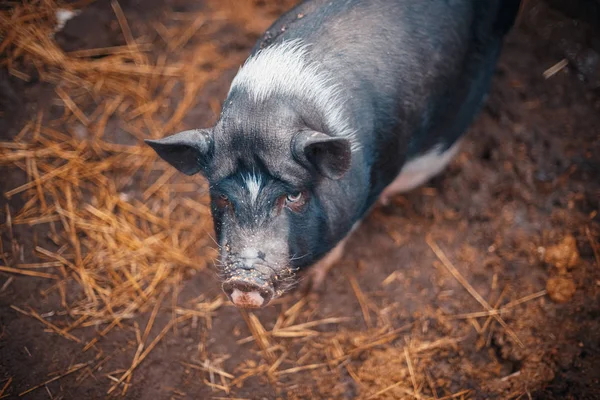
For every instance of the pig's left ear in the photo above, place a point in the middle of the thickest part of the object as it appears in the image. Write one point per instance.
(330, 156)
(188, 151)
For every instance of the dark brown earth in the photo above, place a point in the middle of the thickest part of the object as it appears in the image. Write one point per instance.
(516, 213)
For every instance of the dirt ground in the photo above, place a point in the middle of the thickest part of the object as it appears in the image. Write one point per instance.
(511, 225)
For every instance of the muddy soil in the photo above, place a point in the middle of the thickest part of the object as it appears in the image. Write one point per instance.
(516, 213)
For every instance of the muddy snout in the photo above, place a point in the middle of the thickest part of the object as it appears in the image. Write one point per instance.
(249, 290)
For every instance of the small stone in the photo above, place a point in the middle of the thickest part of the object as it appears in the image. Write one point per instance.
(560, 289)
(564, 255)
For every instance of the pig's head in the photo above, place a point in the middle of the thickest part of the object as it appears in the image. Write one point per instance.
(268, 214)
(275, 162)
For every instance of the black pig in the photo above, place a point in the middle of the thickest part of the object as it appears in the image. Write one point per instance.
(341, 103)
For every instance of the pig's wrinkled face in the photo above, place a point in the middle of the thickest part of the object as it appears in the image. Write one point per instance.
(259, 221)
(270, 212)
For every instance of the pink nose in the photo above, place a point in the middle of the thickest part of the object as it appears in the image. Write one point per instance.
(247, 294)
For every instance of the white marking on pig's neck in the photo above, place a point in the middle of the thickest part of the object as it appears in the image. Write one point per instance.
(285, 69)
(253, 183)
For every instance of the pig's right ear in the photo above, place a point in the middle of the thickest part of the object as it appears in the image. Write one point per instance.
(188, 151)
(329, 155)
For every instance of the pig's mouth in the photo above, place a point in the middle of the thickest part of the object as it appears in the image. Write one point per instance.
(248, 292)
(256, 287)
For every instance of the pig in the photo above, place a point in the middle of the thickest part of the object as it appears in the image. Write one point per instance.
(341, 104)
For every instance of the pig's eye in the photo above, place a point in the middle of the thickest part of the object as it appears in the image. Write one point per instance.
(296, 201)
(222, 201)
(292, 198)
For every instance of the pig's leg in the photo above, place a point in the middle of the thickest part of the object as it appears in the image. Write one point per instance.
(318, 272)
(418, 171)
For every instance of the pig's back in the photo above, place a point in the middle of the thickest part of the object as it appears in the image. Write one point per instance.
(404, 64)
(413, 74)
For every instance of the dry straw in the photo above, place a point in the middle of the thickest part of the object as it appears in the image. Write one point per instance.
(123, 244)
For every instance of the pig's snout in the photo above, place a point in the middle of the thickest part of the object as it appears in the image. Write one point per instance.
(249, 292)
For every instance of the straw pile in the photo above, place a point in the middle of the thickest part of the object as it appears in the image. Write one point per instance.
(119, 245)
